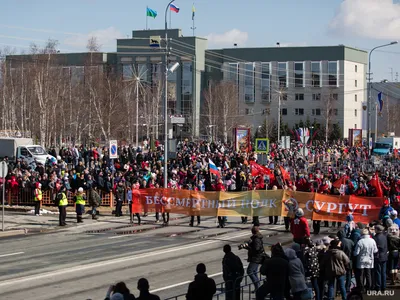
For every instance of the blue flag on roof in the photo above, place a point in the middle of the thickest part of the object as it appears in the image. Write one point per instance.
(380, 101)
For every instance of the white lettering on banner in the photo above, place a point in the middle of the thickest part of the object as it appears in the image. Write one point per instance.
(331, 207)
(365, 207)
(341, 205)
(203, 203)
(188, 202)
(319, 207)
(149, 200)
(232, 203)
(179, 202)
(308, 205)
(246, 203)
(271, 203)
(156, 200)
(257, 204)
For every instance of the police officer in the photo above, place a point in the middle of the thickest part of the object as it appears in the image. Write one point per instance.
(38, 198)
(80, 201)
(62, 206)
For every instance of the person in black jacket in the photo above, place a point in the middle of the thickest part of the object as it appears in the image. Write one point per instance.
(255, 254)
(276, 270)
(381, 258)
(347, 246)
(232, 270)
(143, 286)
(203, 287)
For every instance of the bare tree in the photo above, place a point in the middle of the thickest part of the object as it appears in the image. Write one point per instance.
(328, 111)
(93, 44)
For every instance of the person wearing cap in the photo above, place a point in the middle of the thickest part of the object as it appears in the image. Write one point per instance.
(364, 252)
(380, 258)
(62, 206)
(299, 227)
(395, 219)
(80, 201)
(394, 248)
(385, 211)
(38, 197)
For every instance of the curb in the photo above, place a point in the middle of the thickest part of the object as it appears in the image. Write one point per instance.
(15, 232)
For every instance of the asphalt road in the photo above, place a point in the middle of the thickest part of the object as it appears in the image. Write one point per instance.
(81, 262)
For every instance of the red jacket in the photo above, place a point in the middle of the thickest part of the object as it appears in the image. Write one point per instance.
(299, 228)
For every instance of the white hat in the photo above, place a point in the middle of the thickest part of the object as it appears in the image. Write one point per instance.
(299, 212)
(80, 190)
(394, 212)
(117, 296)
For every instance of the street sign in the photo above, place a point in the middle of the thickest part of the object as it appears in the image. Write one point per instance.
(3, 169)
(262, 145)
(155, 41)
(113, 149)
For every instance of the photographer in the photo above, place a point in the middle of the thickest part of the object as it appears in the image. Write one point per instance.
(256, 253)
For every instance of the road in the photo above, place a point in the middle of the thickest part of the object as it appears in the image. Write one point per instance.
(80, 262)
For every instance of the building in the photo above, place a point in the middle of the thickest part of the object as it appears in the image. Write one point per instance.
(314, 83)
(318, 84)
(388, 120)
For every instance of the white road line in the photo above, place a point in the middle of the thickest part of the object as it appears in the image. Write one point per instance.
(11, 254)
(77, 269)
(181, 283)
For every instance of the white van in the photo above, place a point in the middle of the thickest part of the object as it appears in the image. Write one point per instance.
(30, 153)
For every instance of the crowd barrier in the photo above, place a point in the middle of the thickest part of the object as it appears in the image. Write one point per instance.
(249, 203)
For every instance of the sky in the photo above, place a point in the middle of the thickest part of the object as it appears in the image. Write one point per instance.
(362, 24)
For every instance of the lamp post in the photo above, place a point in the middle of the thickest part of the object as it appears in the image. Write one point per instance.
(166, 98)
(369, 104)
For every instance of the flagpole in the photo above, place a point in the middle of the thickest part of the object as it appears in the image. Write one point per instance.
(147, 18)
(170, 26)
(193, 28)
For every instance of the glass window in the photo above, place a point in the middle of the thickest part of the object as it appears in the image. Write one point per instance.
(333, 73)
(282, 74)
(335, 96)
(142, 71)
(186, 88)
(298, 74)
(299, 97)
(355, 68)
(355, 112)
(316, 112)
(77, 74)
(156, 72)
(299, 111)
(355, 83)
(249, 84)
(316, 74)
(284, 111)
(265, 82)
(233, 72)
(316, 97)
(355, 98)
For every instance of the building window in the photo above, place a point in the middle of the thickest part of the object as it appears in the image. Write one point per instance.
(316, 97)
(299, 97)
(335, 97)
(355, 125)
(141, 71)
(316, 112)
(333, 73)
(283, 96)
(333, 112)
(284, 111)
(355, 83)
(355, 98)
(249, 83)
(316, 74)
(355, 68)
(265, 82)
(187, 88)
(233, 72)
(299, 111)
(127, 71)
(156, 73)
(299, 74)
(355, 112)
(282, 74)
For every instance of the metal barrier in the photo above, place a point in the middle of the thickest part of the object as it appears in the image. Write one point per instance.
(246, 287)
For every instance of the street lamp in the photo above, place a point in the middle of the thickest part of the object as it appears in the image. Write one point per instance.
(173, 68)
(369, 135)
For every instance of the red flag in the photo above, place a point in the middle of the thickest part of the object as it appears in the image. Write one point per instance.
(340, 181)
(375, 182)
(257, 169)
(285, 174)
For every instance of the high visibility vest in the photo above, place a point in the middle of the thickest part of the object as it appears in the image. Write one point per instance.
(80, 200)
(63, 201)
(38, 195)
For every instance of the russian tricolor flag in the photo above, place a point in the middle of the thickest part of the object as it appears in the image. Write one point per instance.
(174, 8)
(213, 168)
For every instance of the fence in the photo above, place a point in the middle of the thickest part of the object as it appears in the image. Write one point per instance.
(246, 288)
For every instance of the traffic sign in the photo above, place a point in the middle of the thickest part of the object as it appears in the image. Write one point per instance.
(113, 149)
(262, 145)
(3, 169)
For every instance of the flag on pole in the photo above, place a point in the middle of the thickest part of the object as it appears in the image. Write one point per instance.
(213, 168)
(174, 8)
(151, 13)
(380, 101)
(193, 11)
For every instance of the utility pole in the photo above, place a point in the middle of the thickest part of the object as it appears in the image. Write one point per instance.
(137, 111)
(279, 117)
(391, 74)
(397, 76)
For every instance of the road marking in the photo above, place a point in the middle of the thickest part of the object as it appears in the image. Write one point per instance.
(77, 269)
(181, 283)
(11, 254)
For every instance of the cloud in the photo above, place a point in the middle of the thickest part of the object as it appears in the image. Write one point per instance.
(379, 19)
(228, 38)
(106, 38)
